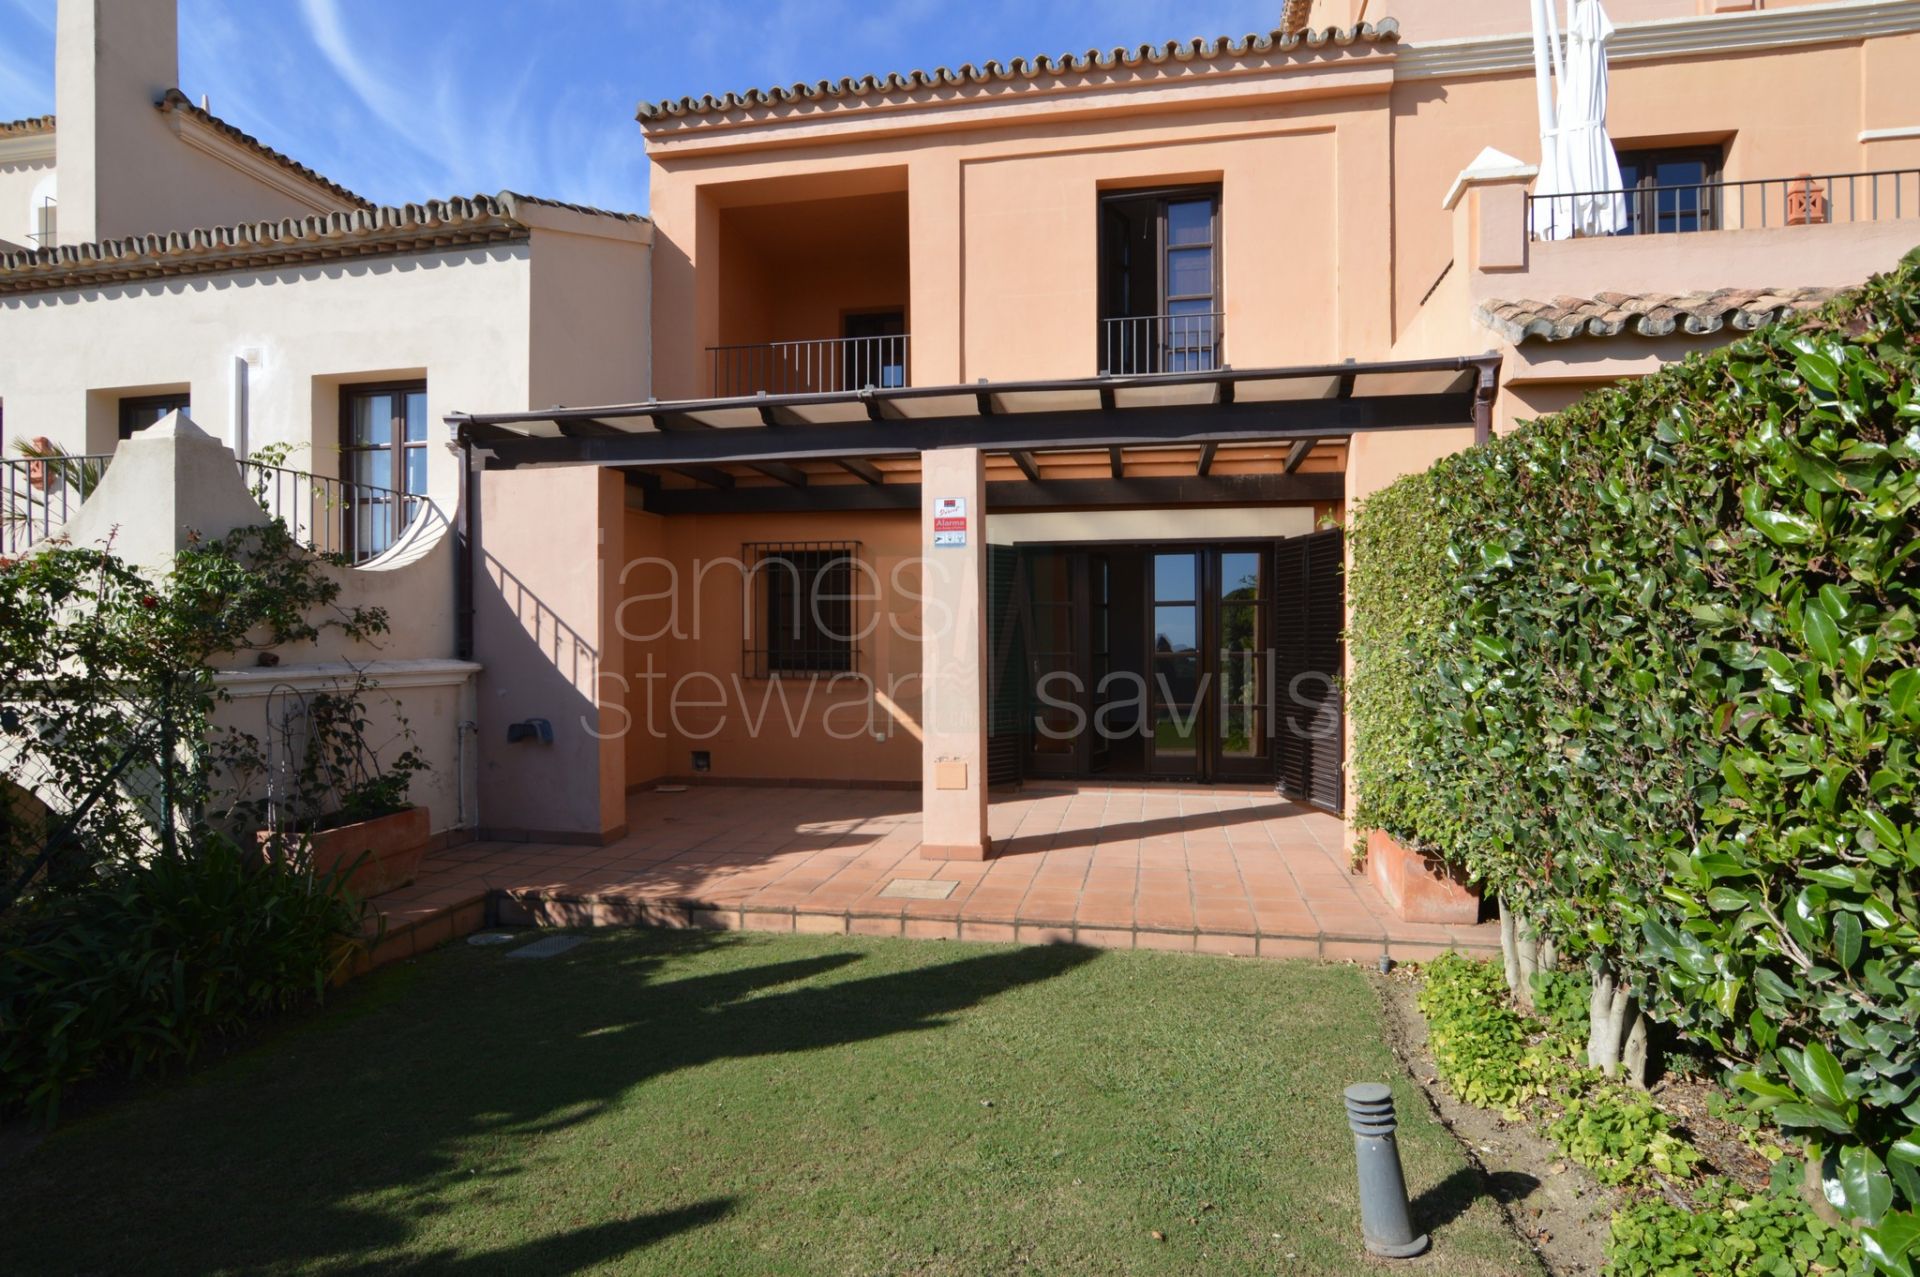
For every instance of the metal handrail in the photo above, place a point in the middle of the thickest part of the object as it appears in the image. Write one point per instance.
(1132, 344)
(329, 516)
(820, 365)
(359, 521)
(39, 494)
(1806, 199)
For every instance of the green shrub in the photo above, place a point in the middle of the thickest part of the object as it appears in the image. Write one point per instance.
(1620, 1136)
(1561, 999)
(1727, 1234)
(1480, 1044)
(1671, 707)
(137, 971)
(1395, 616)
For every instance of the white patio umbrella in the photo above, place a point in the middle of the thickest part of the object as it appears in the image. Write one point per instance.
(1577, 160)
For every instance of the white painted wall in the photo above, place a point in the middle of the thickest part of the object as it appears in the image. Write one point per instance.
(460, 319)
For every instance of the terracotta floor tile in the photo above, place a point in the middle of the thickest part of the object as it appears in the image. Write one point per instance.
(1165, 858)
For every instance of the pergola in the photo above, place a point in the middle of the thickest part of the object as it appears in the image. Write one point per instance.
(1227, 435)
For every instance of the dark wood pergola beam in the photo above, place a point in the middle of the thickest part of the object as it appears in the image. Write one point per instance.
(1117, 462)
(865, 469)
(1236, 423)
(1205, 466)
(1025, 461)
(711, 476)
(1298, 453)
(1013, 494)
(789, 475)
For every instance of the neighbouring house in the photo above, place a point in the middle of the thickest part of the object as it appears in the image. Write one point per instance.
(987, 424)
(161, 260)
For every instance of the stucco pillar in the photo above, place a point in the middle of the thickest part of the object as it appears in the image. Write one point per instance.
(953, 588)
(1488, 201)
(935, 229)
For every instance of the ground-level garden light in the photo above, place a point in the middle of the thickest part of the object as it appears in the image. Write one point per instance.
(1385, 1218)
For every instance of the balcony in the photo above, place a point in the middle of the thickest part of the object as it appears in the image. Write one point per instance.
(355, 521)
(1804, 200)
(1140, 344)
(819, 366)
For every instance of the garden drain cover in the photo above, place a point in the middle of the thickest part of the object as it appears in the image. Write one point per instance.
(552, 946)
(491, 937)
(919, 889)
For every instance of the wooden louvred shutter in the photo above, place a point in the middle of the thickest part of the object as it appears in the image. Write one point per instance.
(1006, 688)
(1309, 602)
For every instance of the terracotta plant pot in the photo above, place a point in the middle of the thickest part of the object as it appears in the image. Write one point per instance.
(1420, 887)
(396, 842)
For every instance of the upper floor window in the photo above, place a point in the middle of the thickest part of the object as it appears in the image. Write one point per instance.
(146, 410)
(383, 462)
(1671, 189)
(1160, 305)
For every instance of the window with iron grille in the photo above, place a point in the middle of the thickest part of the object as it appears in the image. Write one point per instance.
(804, 594)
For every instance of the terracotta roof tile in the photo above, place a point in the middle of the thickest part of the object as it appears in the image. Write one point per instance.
(21, 128)
(1646, 314)
(1219, 48)
(356, 232)
(173, 100)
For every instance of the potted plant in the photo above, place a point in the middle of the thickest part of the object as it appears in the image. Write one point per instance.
(350, 807)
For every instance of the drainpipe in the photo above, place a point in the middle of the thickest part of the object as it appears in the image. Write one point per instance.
(464, 558)
(1484, 392)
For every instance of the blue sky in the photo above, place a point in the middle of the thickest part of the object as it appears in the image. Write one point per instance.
(413, 99)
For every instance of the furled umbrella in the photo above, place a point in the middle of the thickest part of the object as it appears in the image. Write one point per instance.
(1579, 173)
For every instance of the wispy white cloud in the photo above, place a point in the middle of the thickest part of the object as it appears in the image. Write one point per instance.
(421, 98)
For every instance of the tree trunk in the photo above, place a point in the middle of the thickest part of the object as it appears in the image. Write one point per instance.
(1509, 951)
(1633, 1054)
(1814, 1191)
(1524, 951)
(1607, 1017)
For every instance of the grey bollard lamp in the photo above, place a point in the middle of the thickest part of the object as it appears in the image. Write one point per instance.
(1385, 1219)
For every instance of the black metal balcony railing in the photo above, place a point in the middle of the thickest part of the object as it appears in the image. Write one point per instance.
(819, 366)
(333, 516)
(1161, 343)
(328, 516)
(1809, 199)
(38, 495)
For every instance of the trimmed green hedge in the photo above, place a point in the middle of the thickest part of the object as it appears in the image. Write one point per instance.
(1649, 668)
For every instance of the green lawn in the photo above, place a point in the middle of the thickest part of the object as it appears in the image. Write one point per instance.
(674, 1103)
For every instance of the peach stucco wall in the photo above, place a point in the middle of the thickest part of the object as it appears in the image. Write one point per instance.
(1779, 113)
(689, 687)
(1333, 168)
(1001, 224)
(552, 543)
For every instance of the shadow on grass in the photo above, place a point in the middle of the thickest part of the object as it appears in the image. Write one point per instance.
(341, 1145)
(1455, 1195)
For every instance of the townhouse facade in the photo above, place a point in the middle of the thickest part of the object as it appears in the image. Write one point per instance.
(991, 424)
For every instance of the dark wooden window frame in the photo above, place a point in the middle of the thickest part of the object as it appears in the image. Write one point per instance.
(1164, 196)
(137, 406)
(398, 445)
(1643, 201)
